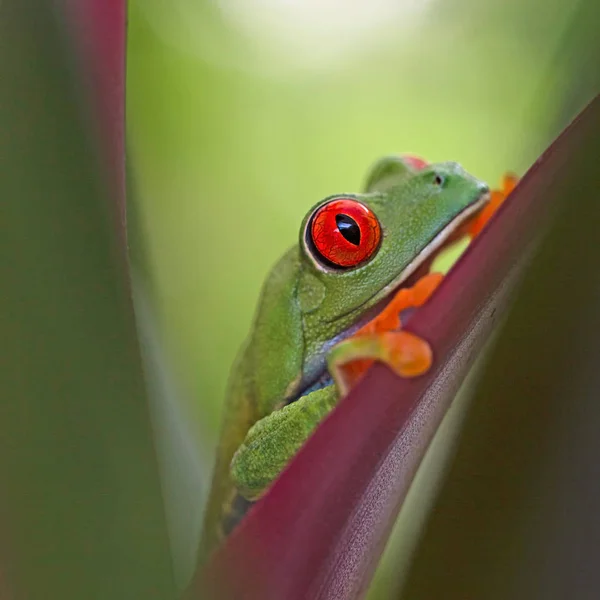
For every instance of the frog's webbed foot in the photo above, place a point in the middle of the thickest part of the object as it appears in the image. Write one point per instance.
(405, 353)
(389, 171)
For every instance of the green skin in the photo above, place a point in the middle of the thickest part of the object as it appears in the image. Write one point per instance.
(305, 309)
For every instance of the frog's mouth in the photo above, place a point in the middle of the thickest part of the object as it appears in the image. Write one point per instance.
(452, 232)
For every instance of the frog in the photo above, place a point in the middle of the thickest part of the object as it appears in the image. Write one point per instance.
(329, 308)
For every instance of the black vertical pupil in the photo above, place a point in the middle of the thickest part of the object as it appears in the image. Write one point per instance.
(349, 228)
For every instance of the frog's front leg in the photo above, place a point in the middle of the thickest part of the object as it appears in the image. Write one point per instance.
(274, 440)
(403, 352)
(379, 340)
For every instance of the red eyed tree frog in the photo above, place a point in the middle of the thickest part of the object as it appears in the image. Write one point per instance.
(322, 318)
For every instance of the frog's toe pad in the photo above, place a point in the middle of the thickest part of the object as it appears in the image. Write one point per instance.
(405, 353)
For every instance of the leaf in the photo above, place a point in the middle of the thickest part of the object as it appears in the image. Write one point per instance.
(98, 29)
(320, 530)
(182, 467)
(517, 516)
(80, 498)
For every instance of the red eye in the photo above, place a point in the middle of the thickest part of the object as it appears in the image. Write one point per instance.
(345, 232)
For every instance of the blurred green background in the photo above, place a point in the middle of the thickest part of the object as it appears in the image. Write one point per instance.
(242, 114)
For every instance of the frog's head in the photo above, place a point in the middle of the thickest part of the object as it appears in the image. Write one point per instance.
(357, 250)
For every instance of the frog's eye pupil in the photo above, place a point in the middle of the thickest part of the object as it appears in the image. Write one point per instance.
(348, 228)
(343, 233)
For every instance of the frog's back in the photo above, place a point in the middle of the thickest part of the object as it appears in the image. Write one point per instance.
(263, 372)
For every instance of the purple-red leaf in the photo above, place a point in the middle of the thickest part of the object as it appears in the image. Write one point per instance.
(80, 495)
(320, 530)
(99, 30)
(517, 514)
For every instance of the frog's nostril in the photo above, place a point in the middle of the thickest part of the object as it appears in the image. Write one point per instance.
(484, 188)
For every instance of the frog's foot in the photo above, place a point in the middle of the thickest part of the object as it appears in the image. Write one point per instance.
(406, 354)
(497, 197)
(390, 170)
(415, 162)
(412, 297)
